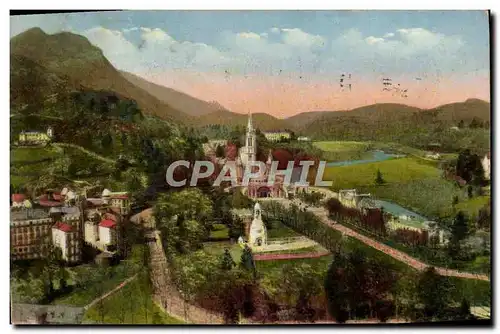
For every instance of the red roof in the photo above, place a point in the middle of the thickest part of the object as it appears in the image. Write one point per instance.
(120, 196)
(18, 198)
(57, 196)
(63, 227)
(44, 202)
(110, 216)
(107, 223)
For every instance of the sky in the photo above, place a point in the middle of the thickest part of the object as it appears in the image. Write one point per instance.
(287, 62)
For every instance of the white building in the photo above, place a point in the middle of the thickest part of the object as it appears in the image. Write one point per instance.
(66, 237)
(258, 232)
(302, 138)
(108, 233)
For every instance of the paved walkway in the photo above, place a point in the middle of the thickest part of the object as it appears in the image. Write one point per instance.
(322, 213)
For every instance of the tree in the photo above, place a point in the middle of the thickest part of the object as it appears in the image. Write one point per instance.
(433, 291)
(227, 262)
(470, 193)
(460, 227)
(455, 201)
(379, 180)
(182, 217)
(299, 284)
(247, 262)
(219, 151)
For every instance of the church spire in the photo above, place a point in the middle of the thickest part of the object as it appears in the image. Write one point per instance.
(249, 124)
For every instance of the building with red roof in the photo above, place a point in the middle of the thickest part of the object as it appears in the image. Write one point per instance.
(67, 238)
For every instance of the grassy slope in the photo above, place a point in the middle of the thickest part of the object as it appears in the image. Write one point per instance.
(130, 305)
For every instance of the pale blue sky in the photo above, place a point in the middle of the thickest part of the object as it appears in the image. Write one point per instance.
(304, 41)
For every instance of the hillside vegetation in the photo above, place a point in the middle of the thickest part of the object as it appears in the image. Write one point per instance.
(67, 59)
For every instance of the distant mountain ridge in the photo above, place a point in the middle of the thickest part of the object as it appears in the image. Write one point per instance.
(178, 100)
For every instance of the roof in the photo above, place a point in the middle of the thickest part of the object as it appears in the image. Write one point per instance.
(45, 202)
(57, 196)
(120, 196)
(18, 198)
(63, 227)
(107, 223)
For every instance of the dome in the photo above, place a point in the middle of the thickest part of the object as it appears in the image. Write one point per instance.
(106, 193)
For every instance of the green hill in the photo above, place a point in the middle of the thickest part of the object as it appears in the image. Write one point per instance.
(78, 63)
(262, 121)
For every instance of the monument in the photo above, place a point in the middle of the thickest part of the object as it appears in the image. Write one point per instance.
(258, 232)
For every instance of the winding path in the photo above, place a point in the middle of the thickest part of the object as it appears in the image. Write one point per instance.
(396, 254)
(109, 293)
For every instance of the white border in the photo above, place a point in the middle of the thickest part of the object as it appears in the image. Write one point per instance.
(200, 4)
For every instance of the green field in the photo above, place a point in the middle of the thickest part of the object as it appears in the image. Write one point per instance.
(27, 154)
(393, 171)
(130, 305)
(344, 150)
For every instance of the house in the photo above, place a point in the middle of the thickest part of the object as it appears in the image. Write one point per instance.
(350, 197)
(67, 238)
(276, 136)
(35, 137)
(29, 233)
(20, 201)
(302, 138)
(108, 234)
(486, 162)
(433, 155)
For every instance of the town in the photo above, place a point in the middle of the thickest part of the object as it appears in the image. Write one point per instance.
(179, 174)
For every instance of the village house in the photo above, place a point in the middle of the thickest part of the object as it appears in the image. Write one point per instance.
(67, 238)
(20, 201)
(276, 136)
(35, 137)
(350, 197)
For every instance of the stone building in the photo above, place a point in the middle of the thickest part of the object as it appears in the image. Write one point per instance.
(29, 233)
(35, 137)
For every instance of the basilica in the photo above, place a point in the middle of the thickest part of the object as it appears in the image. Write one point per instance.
(258, 187)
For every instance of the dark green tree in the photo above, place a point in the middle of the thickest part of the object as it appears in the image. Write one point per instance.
(227, 262)
(433, 291)
(379, 180)
(247, 262)
(219, 151)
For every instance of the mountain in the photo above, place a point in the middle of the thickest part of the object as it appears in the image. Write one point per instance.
(74, 58)
(262, 121)
(303, 118)
(178, 100)
(466, 111)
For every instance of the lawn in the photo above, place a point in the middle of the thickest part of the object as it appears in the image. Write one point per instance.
(98, 280)
(278, 230)
(393, 171)
(130, 305)
(217, 248)
(219, 232)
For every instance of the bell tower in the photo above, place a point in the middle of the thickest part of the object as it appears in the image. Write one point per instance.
(249, 151)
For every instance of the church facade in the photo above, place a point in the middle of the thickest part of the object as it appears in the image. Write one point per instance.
(257, 187)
